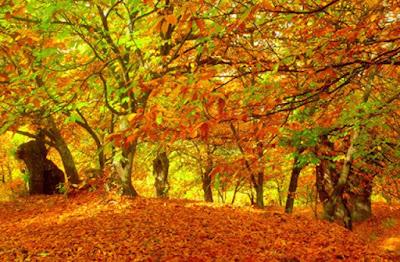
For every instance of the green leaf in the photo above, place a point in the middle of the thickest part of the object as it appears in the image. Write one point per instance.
(159, 119)
(275, 68)
(5, 127)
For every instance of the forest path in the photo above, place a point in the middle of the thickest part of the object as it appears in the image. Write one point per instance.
(89, 227)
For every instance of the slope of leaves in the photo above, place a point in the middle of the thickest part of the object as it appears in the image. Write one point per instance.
(93, 227)
(383, 228)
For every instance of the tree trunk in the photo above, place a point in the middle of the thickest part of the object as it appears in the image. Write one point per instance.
(258, 184)
(235, 191)
(326, 178)
(44, 175)
(54, 134)
(160, 172)
(125, 167)
(360, 196)
(296, 169)
(206, 180)
(346, 195)
(33, 153)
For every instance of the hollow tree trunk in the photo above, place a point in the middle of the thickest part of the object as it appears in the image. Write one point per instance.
(54, 134)
(33, 153)
(296, 169)
(44, 175)
(160, 172)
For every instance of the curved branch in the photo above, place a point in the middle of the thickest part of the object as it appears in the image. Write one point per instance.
(113, 110)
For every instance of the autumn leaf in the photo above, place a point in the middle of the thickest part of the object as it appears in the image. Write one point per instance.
(171, 19)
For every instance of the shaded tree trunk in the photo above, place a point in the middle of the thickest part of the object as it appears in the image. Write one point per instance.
(54, 134)
(296, 169)
(326, 178)
(258, 185)
(258, 181)
(33, 153)
(206, 180)
(44, 175)
(160, 172)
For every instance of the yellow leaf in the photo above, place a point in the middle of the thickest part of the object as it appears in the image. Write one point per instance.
(131, 117)
(372, 3)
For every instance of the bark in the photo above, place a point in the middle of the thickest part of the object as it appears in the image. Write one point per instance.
(44, 175)
(52, 176)
(54, 134)
(33, 154)
(344, 195)
(125, 167)
(326, 179)
(235, 191)
(258, 184)
(206, 180)
(338, 198)
(296, 169)
(360, 196)
(258, 181)
(160, 172)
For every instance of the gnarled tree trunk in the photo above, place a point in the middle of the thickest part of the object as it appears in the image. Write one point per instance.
(33, 153)
(344, 194)
(44, 175)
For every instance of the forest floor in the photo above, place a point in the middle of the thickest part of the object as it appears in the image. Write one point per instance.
(90, 226)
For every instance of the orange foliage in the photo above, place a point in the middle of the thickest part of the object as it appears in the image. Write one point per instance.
(89, 227)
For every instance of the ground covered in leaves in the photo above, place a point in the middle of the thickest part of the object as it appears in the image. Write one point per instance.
(89, 226)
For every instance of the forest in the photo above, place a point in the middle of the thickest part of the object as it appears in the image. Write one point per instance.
(204, 130)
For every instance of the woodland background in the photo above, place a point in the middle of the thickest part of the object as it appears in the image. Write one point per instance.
(255, 102)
